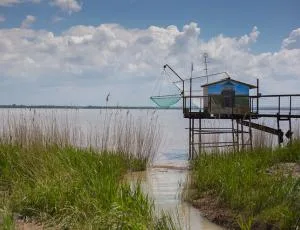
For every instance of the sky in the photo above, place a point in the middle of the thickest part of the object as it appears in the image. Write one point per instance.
(71, 52)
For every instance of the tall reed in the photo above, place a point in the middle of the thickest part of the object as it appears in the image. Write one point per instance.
(137, 137)
(55, 172)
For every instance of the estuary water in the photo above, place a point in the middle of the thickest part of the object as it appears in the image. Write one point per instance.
(164, 181)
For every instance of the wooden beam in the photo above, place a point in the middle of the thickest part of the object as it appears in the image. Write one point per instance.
(264, 128)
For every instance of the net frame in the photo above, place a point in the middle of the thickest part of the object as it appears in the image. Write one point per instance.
(165, 101)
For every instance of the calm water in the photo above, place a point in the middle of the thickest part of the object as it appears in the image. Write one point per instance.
(163, 184)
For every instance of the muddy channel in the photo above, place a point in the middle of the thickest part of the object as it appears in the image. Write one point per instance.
(164, 184)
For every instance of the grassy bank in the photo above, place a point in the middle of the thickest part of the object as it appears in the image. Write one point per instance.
(44, 178)
(256, 187)
(71, 188)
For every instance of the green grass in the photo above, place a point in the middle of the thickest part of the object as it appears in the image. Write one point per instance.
(46, 179)
(6, 217)
(242, 183)
(74, 189)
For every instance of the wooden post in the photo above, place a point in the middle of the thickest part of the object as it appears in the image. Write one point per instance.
(237, 135)
(278, 128)
(190, 124)
(232, 130)
(242, 136)
(250, 133)
(278, 120)
(193, 135)
(200, 136)
(257, 95)
(290, 121)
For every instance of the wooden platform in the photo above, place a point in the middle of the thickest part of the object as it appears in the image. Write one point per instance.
(203, 115)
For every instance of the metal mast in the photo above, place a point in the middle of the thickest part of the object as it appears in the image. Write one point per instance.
(205, 63)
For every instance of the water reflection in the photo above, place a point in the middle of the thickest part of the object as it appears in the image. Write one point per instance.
(164, 186)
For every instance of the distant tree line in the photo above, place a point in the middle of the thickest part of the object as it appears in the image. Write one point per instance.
(15, 106)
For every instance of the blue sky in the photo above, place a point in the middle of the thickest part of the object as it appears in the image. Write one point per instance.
(69, 52)
(274, 18)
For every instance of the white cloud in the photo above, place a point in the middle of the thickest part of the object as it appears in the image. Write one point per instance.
(9, 2)
(14, 2)
(68, 6)
(126, 62)
(293, 41)
(251, 38)
(56, 19)
(28, 21)
(2, 18)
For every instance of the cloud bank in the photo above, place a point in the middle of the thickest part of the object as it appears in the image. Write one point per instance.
(84, 63)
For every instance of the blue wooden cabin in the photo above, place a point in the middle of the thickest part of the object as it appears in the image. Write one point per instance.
(227, 96)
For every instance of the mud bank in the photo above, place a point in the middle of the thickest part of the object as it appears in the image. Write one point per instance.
(214, 211)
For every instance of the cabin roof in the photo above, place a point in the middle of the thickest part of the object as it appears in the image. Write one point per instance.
(228, 78)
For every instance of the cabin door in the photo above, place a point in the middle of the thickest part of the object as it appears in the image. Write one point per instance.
(228, 97)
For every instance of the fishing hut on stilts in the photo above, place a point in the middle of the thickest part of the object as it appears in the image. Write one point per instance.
(230, 100)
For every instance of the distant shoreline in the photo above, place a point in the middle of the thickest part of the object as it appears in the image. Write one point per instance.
(82, 107)
(14, 106)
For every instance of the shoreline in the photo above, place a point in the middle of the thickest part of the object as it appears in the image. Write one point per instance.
(250, 190)
(212, 210)
(223, 216)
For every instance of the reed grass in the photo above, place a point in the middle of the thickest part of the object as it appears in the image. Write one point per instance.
(52, 172)
(114, 131)
(242, 181)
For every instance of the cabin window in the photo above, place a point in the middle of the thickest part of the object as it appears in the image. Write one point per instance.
(228, 97)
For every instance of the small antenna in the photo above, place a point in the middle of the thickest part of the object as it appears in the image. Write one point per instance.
(205, 63)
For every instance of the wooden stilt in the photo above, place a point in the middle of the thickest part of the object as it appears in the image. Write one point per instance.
(237, 136)
(233, 135)
(200, 137)
(242, 136)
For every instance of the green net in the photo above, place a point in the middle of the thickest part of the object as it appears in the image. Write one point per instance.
(165, 101)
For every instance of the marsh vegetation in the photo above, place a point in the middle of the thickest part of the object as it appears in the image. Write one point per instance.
(53, 172)
(249, 189)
